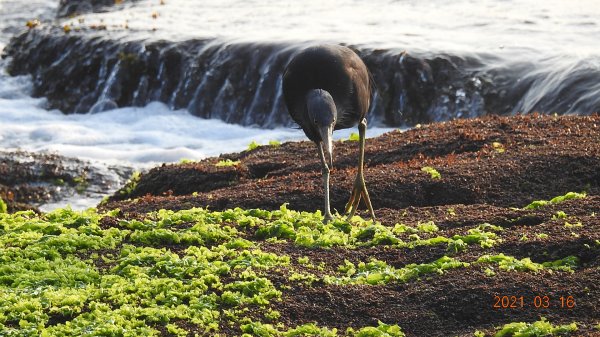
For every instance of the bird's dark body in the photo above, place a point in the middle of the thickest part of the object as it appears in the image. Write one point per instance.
(335, 69)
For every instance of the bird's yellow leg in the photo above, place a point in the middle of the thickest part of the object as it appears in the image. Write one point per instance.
(360, 187)
(354, 200)
(325, 170)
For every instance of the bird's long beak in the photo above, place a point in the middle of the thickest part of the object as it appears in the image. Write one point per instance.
(327, 143)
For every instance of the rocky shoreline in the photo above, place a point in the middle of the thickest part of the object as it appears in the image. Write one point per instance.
(498, 161)
(29, 180)
(94, 68)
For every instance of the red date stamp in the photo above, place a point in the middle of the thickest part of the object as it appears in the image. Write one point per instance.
(537, 302)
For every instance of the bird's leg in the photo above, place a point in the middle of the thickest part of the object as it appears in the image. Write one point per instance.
(325, 170)
(360, 187)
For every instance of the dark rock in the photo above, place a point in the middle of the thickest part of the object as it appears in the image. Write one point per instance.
(29, 180)
(498, 161)
(68, 8)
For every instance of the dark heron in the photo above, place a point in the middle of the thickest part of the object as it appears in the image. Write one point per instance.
(328, 88)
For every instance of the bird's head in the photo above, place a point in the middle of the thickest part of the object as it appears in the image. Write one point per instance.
(322, 114)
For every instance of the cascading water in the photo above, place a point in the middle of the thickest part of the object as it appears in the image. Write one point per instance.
(240, 82)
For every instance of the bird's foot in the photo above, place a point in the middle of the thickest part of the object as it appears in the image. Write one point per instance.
(359, 191)
(328, 217)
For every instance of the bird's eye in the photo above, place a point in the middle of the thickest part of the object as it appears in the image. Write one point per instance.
(315, 121)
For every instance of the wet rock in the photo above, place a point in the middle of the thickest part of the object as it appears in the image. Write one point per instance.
(68, 8)
(236, 82)
(29, 180)
(240, 82)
